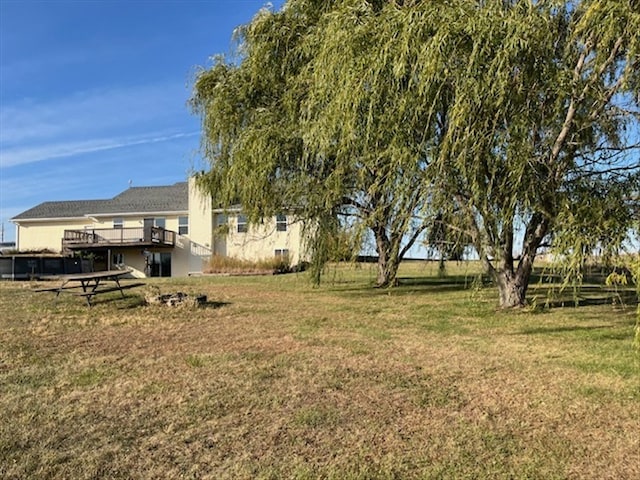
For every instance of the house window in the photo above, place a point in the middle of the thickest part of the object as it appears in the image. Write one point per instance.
(160, 222)
(183, 225)
(118, 222)
(281, 223)
(221, 219)
(281, 253)
(242, 224)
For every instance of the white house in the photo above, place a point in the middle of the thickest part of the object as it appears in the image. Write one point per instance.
(155, 231)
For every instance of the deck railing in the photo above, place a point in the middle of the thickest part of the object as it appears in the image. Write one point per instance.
(119, 236)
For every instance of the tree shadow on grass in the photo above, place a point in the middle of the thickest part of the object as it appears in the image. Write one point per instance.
(583, 296)
(412, 285)
(464, 281)
(544, 289)
(573, 328)
(214, 305)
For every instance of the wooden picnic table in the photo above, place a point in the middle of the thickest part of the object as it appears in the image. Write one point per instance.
(89, 283)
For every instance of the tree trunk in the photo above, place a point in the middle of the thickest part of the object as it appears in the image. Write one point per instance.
(512, 289)
(387, 271)
(388, 261)
(442, 269)
(513, 285)
(513, 282)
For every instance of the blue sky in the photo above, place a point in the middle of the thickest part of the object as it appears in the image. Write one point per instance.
(93, 94)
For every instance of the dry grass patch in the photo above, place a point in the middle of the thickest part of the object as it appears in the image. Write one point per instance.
(237, 266)
(276, 379)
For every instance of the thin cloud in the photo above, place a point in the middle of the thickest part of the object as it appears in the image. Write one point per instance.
(23, 155)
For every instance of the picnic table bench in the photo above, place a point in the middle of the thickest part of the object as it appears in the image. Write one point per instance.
(90, 283)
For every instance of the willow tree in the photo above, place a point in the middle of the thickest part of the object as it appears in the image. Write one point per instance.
(506, 116)
(367, 110)
(542, 135)
(317, 117)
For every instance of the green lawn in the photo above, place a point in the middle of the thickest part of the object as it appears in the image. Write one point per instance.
(274, 378)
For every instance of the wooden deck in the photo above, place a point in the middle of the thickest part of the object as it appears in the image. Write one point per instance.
(118, 237)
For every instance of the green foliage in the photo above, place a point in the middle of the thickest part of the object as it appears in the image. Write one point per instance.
(511, 122)
(542, 94)
(596, 220)
(279, 130)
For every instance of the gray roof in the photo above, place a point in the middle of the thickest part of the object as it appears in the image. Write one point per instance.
(170, 198)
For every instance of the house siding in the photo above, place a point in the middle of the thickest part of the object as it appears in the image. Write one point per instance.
(39, 235)
(190, 252)
(261, 241)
